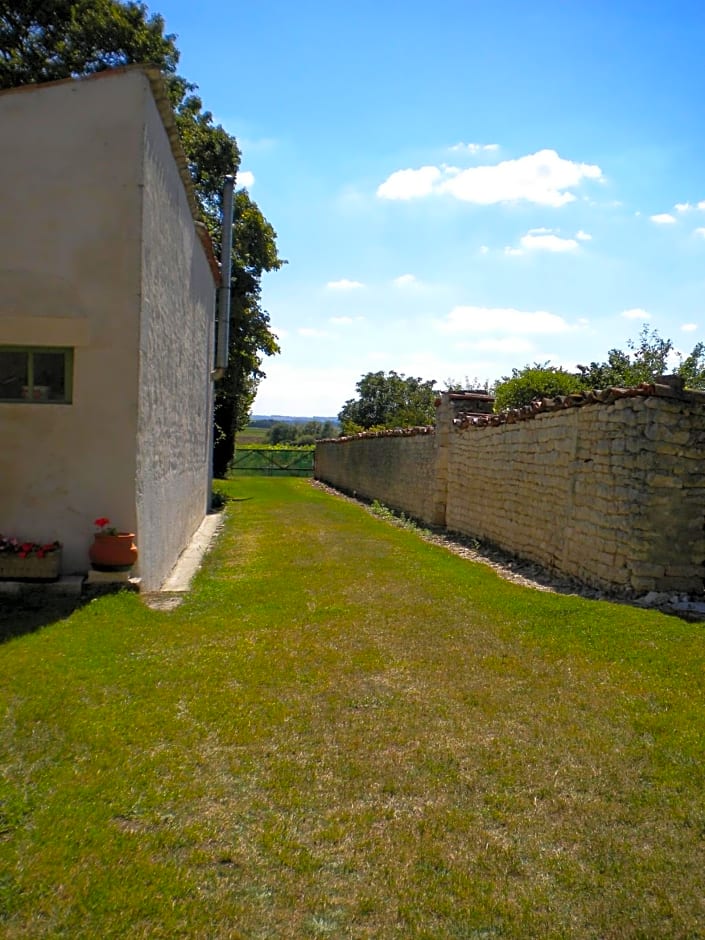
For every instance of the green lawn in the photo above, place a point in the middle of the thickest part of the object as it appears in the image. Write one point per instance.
(347, 732)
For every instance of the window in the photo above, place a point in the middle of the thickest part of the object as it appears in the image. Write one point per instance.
(36, 374)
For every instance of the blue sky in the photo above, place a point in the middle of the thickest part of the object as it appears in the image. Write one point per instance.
(460, 188)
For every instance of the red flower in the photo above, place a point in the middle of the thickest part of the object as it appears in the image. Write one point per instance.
(103, 521)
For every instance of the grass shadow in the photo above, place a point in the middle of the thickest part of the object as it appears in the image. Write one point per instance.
(30, 612)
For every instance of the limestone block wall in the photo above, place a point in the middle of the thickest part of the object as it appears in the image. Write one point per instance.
(397, 468)
(613, 495)
(609, 492)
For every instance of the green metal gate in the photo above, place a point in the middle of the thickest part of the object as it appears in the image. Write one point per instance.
(273, 462)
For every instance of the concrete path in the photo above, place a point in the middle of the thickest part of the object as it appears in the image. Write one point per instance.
(172, 592)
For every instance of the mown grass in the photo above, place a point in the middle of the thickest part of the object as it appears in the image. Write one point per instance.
(348, 732)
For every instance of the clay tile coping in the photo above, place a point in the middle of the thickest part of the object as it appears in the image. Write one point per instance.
(663, 389)
(389, 432)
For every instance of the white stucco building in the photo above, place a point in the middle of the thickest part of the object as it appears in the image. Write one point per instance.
(107, 298)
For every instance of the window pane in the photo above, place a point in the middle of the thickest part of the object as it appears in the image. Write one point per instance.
(49, 376)
(13, 375)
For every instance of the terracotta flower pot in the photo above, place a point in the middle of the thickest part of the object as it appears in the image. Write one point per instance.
(113, 552)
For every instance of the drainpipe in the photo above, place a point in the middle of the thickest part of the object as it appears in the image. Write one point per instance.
(226, 253)
(223, 337)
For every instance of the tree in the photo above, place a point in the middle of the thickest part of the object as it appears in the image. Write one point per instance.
(55, 39)
(300, 433)
(645, 359)
(538, 381)
(282, 432)
(648, 357)
(389, 401)
(692, 367)
(254, 252)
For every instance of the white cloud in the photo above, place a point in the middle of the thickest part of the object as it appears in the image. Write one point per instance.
(635, 313)
(409, 184)
(683, 206)
(689, 327)
(543, 178)
(473, 148)
(700, 232)
(701, 205)
(541, 240)
(484, 250)
(663, 218)
(405, 280)
(311, 332)
(583, 236)
(246, 179)
(344, 284)
(470, 319)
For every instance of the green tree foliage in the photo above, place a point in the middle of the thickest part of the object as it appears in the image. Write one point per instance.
(300, 432)
(540, 380)
(389, 400)
(45, 40)
(692, 367)
(645, 359)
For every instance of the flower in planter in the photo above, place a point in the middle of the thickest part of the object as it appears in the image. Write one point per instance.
(13, 546)
(104, 527)
(112, 550)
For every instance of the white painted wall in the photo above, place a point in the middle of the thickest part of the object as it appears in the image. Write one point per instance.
(70, 274)
(83, 166)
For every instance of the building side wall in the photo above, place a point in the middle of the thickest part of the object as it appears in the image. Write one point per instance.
(610, 494)
(176, 356)
(69, 276)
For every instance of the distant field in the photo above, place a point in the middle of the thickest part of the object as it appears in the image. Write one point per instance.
(252, 436)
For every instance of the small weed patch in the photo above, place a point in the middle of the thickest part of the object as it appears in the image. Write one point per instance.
(346, 731)
(399, 519)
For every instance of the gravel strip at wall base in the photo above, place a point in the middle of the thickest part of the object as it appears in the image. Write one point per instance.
(530, 575)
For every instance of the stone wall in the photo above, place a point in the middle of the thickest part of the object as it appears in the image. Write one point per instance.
(397, 468)
(610, 492)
